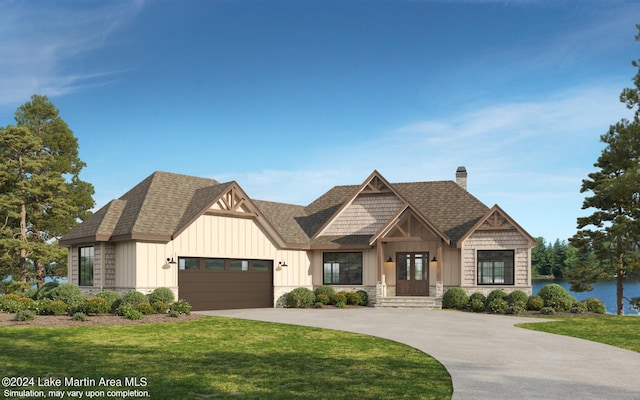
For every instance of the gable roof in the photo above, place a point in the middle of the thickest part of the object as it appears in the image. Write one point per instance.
(497, 218)
(164, 204)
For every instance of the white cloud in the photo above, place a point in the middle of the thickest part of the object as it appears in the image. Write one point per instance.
(39, 42)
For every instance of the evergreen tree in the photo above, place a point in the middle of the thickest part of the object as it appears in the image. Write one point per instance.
(540, 258)
(41, 193)
(612, 232)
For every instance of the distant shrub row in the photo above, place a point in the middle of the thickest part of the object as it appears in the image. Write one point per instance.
(549, 299)
(325, 295)
(68, 299)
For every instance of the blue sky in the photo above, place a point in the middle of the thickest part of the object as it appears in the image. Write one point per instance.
(290, 98)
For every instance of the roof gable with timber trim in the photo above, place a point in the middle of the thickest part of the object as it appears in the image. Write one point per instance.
(408, 224)
(496, 219)
(365, 211)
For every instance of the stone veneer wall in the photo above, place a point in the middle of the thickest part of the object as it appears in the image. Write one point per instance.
(496, 240)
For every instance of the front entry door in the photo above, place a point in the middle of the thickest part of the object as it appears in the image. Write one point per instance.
(412, 274)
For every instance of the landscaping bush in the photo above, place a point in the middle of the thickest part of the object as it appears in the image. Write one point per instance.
(476, 305)
(497, 294)
(594, 305)
(341, 304)
(43, 292)
(124, 308)
(133, 298)
(578, 308)
(517, 297)
(26, 315)
(132, 313)
(547, 311)
(514, 309)
(353, 298)
(52, 307)
(338, 297)
(162, 294)
(68, 293)
(322, 298)
(478, 296)
(556, 296)
(364, 296)
(160, 307)
(455, 298)
(180, 307)
(10, 303)
(96, 305)
(326, 290)
(145, 308)
(318, 305)
(497, 306)
(112, 298)
(535, 303)
(300, 298)
(79, 316)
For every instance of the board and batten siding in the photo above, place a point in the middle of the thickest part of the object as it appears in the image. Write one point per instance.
(496, 240)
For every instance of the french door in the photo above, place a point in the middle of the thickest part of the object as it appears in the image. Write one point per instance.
(412, 274)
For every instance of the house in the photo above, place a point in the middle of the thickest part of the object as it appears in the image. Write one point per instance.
(217, 248)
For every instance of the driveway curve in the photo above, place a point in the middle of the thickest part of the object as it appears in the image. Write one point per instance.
(486, 355)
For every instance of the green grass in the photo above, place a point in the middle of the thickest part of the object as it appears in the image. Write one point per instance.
(617, 331)
(227, 359)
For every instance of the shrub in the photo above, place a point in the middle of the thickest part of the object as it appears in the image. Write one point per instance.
(517, 308)
(364, 296)
(96, 305)
(26, 315)
(547, 311)
(68, 293)
(326, 290)
(79, 316)
(174, 314)
(124, 308)
(31, 293)
(477, 305)
(132, 313)
(594, 305)
(44, 291)
(10, 303)
(318, 305)
(181, 307)
(52, 307)
(27, 303)
(478, 296)
(162, 294)
(322, 298)
(341, 304)
(497, 306)
(133, 298)
(535, 303)
(112, 298)
(353, 298)
(145, 308)
(455, 298)
(517, 297)
(497, 294)
(556, 296)
(578, 308)
(338, 297)
(300, 298)
(160, 307)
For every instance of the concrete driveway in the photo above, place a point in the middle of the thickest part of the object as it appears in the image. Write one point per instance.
(486, 355)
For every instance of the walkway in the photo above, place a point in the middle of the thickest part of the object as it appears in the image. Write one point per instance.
(487, 357)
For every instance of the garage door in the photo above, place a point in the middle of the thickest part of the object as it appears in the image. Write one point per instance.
(217, 284)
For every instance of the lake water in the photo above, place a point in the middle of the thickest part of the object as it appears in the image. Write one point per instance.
(604, 290)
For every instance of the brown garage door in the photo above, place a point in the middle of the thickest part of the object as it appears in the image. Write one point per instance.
(216, 284)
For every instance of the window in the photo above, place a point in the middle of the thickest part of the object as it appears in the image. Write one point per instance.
(260, 266)
(238, 265)
(223, 265)
(214, 264)
(495, 267)
(188, 263)
(85, 272)
(342, 268)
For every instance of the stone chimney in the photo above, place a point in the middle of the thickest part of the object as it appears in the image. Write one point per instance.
(461, 177)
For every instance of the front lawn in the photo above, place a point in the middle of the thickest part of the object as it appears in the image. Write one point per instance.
(225, 359)
(616, 331)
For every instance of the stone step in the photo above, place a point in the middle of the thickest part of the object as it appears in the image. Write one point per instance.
(408, 302)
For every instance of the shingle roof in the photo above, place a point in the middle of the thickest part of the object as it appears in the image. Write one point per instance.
(164, 203)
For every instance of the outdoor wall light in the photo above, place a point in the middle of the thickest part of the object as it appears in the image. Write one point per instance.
(282, 264)
(389, 263)
(433, 263)
(170, 261)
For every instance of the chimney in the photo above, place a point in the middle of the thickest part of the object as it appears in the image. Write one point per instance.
(461, 177)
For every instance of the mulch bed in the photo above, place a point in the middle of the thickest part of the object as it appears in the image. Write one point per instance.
(56, 321)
